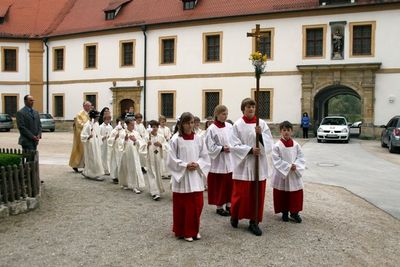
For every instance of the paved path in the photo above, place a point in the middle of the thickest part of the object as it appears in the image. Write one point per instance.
(357, 169)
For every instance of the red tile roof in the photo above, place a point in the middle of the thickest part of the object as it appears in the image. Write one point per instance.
(59, 17)
(29, 18)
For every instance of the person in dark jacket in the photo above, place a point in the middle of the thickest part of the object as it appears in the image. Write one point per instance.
(29, 126)
(305, 124)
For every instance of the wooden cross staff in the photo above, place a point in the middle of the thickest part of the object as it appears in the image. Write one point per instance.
(257, 35)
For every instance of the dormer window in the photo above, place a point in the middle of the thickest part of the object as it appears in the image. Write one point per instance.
(189, 4)
(3, 13)
(113, 8)
(110, 15)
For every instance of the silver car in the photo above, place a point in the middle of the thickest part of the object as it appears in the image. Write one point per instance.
(6, 122)
(47, 122)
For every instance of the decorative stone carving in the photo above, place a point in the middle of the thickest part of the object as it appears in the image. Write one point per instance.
(337, 39)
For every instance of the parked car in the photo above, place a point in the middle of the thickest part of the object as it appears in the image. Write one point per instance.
(390, 136)
(47, 122)
(6, 122)
(333, 128)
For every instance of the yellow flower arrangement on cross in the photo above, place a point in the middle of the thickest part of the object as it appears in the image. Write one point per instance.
(259, 61)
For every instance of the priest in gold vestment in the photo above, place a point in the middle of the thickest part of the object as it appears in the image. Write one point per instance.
(76, 160)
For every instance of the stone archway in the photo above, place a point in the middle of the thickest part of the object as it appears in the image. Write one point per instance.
(321, 101)
(357, 78)
(125, 96)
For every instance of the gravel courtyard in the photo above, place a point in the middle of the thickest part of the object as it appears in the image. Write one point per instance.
(87, 223)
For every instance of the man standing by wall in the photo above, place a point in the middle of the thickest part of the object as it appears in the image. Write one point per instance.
(29, 125)
(76, 159)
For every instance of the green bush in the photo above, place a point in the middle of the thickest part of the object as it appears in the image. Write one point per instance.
(9, 159)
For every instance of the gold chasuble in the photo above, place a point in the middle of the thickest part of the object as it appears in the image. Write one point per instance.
(76, 159)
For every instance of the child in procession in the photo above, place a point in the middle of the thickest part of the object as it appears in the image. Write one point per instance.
(157, 149)
(105, 132)
(116, 147)
(130, 174)
(188, 163)
(91, 139)
(141, 129)
(289, 163)
(219, 178)
(243, 154)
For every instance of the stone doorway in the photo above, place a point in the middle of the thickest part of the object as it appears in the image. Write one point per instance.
(322, 101)
(125, 97)
(321, 82)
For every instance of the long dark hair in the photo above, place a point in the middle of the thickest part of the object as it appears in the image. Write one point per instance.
(185, 118)
(102, 114)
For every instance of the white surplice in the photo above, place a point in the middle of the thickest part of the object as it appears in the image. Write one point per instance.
(92, 147)
(183, 152)
(166, 132)
(244, 138)
(130, 174)
(216, 139)
(105, 132)
(155, 157)
(115, 145)
(283, 157)
(142, 132)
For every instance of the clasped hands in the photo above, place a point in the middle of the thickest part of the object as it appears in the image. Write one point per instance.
(192, 166)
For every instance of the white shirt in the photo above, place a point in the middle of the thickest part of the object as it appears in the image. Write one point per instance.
(244, 136)
(216, 139)
(283, 158)
(183, 152)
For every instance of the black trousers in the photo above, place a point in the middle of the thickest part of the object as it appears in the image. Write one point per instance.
(305, 132)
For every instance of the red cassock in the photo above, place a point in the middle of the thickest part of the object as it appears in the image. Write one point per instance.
(243, 199)
(285, 201)
(187, 209)
(219, 188)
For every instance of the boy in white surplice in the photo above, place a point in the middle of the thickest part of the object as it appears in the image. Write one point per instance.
(157, 149)
(130, 174)
(289, 163)
(91, 139)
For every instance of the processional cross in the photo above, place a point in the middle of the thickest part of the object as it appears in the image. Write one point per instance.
(259, 68)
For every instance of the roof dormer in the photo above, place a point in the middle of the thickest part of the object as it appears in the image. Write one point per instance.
(189, 4)
(113, 8)
(3, 13)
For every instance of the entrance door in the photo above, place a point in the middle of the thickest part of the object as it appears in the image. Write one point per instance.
(125, 104)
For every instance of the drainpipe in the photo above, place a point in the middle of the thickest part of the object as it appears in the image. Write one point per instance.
(47, 74)
(143, 27)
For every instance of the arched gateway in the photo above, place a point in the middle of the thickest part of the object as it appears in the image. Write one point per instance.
(322, 82)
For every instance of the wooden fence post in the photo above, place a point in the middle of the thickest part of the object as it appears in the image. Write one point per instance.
(4, 184)
(22, 180)
(34, 182)
(28, 178)
(11, 194)
(17, 191)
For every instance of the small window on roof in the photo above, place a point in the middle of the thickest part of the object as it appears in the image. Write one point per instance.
(114, 6)
(189, 4)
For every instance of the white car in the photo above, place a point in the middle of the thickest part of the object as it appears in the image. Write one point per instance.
(333, 128)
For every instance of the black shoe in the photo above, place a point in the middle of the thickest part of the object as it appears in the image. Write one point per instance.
(144, 170)
(285, 216)
(76, 170)
(234, 222)
(253, 227)
(115, 181)
(222, 212)
(296, 217)
(228, 209)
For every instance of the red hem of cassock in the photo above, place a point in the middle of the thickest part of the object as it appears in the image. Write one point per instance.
(285, 201)
(187, 209)
(219, 188)
(243, 200)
